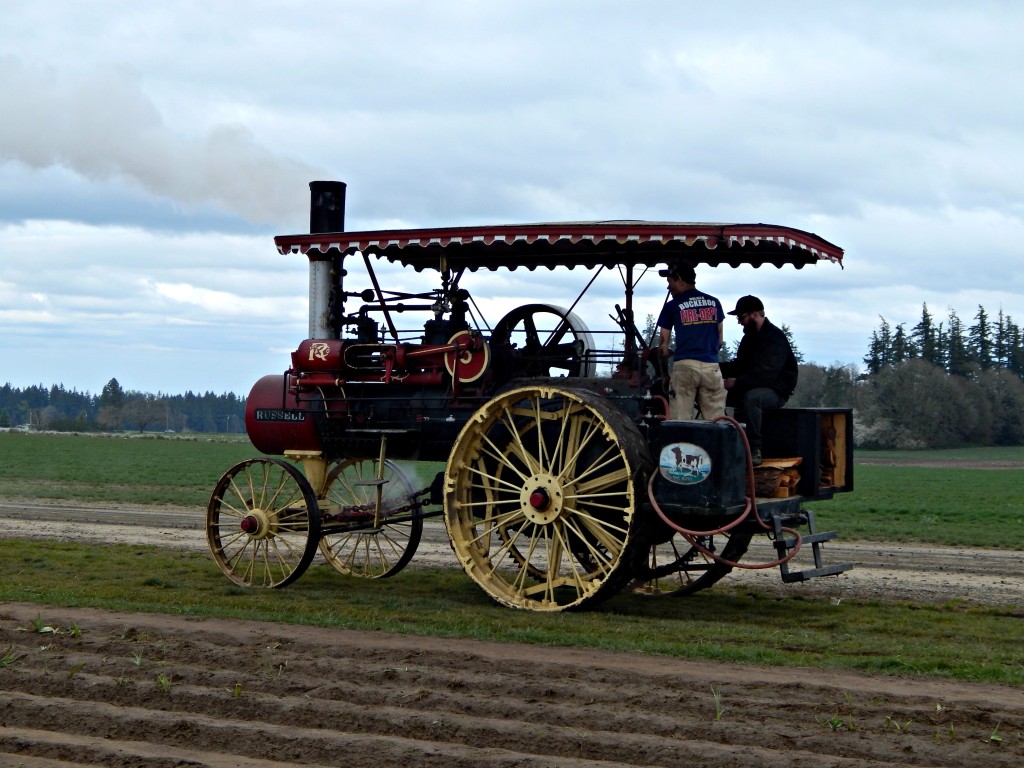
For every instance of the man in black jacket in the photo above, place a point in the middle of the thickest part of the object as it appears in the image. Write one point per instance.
(763, 375)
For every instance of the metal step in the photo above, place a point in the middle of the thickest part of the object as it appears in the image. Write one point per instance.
(815, 539)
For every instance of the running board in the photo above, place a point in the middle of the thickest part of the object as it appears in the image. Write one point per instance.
(815, 539)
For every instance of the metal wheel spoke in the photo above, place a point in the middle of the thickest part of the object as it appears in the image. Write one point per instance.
(616, 474)
(579, 441)
(491, 503)
(556, 335)
(508, 544)
(547, 588)
(581, 504)
(532, 462)
(229, 510)
(681, 569)
(388, 546)
(601, 532)
(495, 522)
(571, 563)
(530, 330)
(555, 550)
(245, 553)
(534, 425)
(357, 548)
(474, 469)
(372, 552)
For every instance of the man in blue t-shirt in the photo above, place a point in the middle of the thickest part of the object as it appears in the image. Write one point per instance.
(696, 318)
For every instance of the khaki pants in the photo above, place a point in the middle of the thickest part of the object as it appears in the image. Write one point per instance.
(700, 383)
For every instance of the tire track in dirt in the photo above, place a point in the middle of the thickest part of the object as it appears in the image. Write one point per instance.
(910, 573)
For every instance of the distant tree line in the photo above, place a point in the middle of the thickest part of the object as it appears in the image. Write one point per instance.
(936, 385)
(960, 351)
(114, 408)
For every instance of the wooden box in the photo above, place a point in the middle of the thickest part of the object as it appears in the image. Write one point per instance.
(822, 438)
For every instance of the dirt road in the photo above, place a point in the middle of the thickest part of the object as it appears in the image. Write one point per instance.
(101, 688)
(895, 571)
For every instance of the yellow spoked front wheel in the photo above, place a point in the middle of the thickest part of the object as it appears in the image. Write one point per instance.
(263, 523)
(540, 493)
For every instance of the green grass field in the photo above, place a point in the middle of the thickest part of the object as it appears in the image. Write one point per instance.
(966, 506)
(132, 469)
(932, 505)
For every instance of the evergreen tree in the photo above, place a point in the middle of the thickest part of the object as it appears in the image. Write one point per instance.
(880, 350)
(958, 357)
(1015, 364)
(925, 339)
(902, 347)
(980, 336)
(1001, 341)
(796, 351)
(112, 395)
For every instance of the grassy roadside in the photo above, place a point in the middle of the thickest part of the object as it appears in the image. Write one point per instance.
(720, 625)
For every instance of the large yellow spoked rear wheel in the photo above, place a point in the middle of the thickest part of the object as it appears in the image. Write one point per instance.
(263, 523)
(362, 549)
(540, 493)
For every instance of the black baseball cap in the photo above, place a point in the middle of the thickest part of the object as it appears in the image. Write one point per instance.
(684, 271)
(747, 304)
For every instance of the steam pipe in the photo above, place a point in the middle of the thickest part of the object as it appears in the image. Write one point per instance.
(326, 214)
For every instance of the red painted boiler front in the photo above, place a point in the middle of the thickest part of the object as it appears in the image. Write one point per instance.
(275, 422)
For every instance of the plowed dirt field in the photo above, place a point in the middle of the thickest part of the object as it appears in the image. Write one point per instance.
(102, 688)
(250, 694)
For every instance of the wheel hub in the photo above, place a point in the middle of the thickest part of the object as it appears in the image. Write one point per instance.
(258, 524)
(541, 499)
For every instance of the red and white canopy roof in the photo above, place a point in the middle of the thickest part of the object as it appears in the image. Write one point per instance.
(571, 244)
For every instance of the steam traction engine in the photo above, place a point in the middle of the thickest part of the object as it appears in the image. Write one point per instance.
(564, 481)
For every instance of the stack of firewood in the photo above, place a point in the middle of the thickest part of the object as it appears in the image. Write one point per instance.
(776, 478)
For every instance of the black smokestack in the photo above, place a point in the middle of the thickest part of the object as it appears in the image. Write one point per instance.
(326, 207)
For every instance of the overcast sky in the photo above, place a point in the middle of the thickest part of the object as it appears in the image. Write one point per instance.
(150, 151)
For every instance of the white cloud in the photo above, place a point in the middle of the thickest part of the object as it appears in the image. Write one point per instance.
(150, 152)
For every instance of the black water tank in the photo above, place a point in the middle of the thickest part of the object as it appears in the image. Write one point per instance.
(702, 468)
